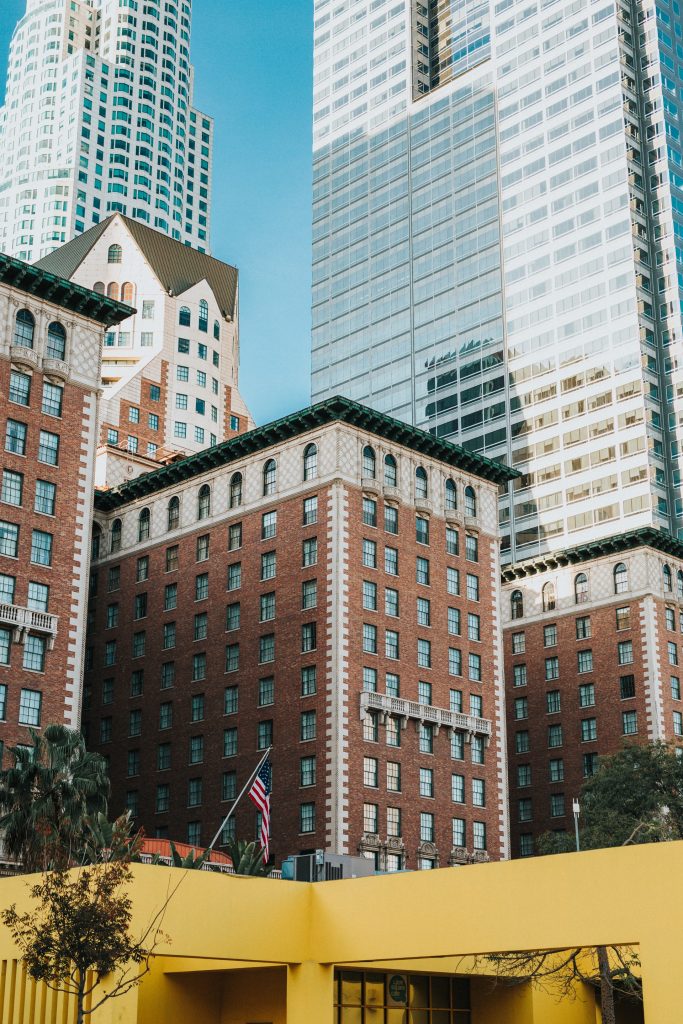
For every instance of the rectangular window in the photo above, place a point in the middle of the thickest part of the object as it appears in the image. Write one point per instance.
(472, 587)
(590, 765)
(552, 668)
(232, 617)
(394, 821)
(48, 448)
(550, 636)
(677, 722)
(555, 737)
(369, 596)
(391, 561)
(518, 643)
(308, 637)
(583, 627)
(426, 827)
(393, 776)
(672, 650)
(234, 576)
(587, 695)
(629, 721)
(168, 635)
(268, 525)
(391, 602)
(458, 789)
(307, 818)
(474, 667)
(627, 686)
(454, 661)
(584, 661)
(519, 676)
(521, 708)
(310, 551)
(310, 515)
(421, 530)
(308, 725)
(30, 703)
(452, 541)
(589, 729)
(264, 735)
(391, 644)
(267, 607)
(371, 818)
(425, 732)
(424, 654)
(675, 684)
(371, 772)
(232, 657)
(390, 519)
(202, 548)
(369, 512)
(268, 565)
(423, 610)
(166, 715)
(393, 731)
(266, 691)
(453, 621)
(15, 437)
(307, 771)
(624, 618)
(19, 387)
(308, 681)
(523, 775)
(167, 675)
(369, 638)
(392, 684)
(369, 554)
(369, 680)
(371, 727)
(473, 626)
(52, 399)
(234, 536)
(457, 745)
(478, 793)
(12, 487)
(421, 571)
(230, 742)
(230, 700)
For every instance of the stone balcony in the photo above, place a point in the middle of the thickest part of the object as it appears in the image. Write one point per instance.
(400, 708)
(27, 620)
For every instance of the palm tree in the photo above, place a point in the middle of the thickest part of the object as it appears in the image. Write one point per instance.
(46, 797)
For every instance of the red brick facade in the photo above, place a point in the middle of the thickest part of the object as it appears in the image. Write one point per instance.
(330, 750)
(585, 677)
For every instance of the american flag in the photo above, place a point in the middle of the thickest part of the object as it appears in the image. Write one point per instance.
(259, 794)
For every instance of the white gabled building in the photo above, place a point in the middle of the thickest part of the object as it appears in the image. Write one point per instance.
(170, 371)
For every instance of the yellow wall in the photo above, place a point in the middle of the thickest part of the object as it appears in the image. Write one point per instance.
(245, 949)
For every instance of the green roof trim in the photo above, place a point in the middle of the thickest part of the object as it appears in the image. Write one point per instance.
(329, 411)
(52, 288)
(646, 536)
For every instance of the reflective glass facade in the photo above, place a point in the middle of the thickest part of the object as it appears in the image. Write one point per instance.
(496, 238)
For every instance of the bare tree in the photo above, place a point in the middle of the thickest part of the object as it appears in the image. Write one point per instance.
(79, 933)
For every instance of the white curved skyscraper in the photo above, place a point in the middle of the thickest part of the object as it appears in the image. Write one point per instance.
(98, 119)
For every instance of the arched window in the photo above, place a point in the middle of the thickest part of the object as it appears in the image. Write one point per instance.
(310, 462)
(203, 315)
(451, 495)
(390, 471)
(24, 328)
(548, 595)
(470, 501)
(421, 488)
(666, 576)
(679, 580)
(113, 291)
(115, 543)
(128, 293)
(56, 341)
(184, 318)
(115, 253)
(516, 604)
(581, 588)
(173, 513)
(369, 462)
(98, 287)
(143, 524)
(620, 578)
(96, 541)
(269, 477)
(204, 502)
(216, 330)
(235, 490)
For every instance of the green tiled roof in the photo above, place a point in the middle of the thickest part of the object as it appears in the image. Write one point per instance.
(53, 288)
(329, 411)
(646, 536)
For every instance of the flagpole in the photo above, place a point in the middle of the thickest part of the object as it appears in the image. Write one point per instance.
(244, 789)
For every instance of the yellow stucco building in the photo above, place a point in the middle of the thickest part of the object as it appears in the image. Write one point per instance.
(381, 950)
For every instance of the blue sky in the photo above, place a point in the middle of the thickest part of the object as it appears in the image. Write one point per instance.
(253, 74)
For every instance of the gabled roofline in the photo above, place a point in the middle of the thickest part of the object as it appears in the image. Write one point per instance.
(329, 411)
(51, 288)
(646, 536)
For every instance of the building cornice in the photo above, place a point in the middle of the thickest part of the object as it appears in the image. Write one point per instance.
(646, 536)
(337, 409)
(51, 288)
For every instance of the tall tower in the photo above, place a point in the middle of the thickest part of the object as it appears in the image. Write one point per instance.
(98, 119)
(498, 207)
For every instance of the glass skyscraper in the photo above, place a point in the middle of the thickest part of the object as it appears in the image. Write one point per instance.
(498, 244)
(98, 119)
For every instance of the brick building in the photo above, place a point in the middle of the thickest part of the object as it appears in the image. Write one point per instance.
(327, 584)
(50, 345)
(170, 370)
(593, 642)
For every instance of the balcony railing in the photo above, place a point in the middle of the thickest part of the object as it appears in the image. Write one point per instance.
(27, 620)
(401, 708)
